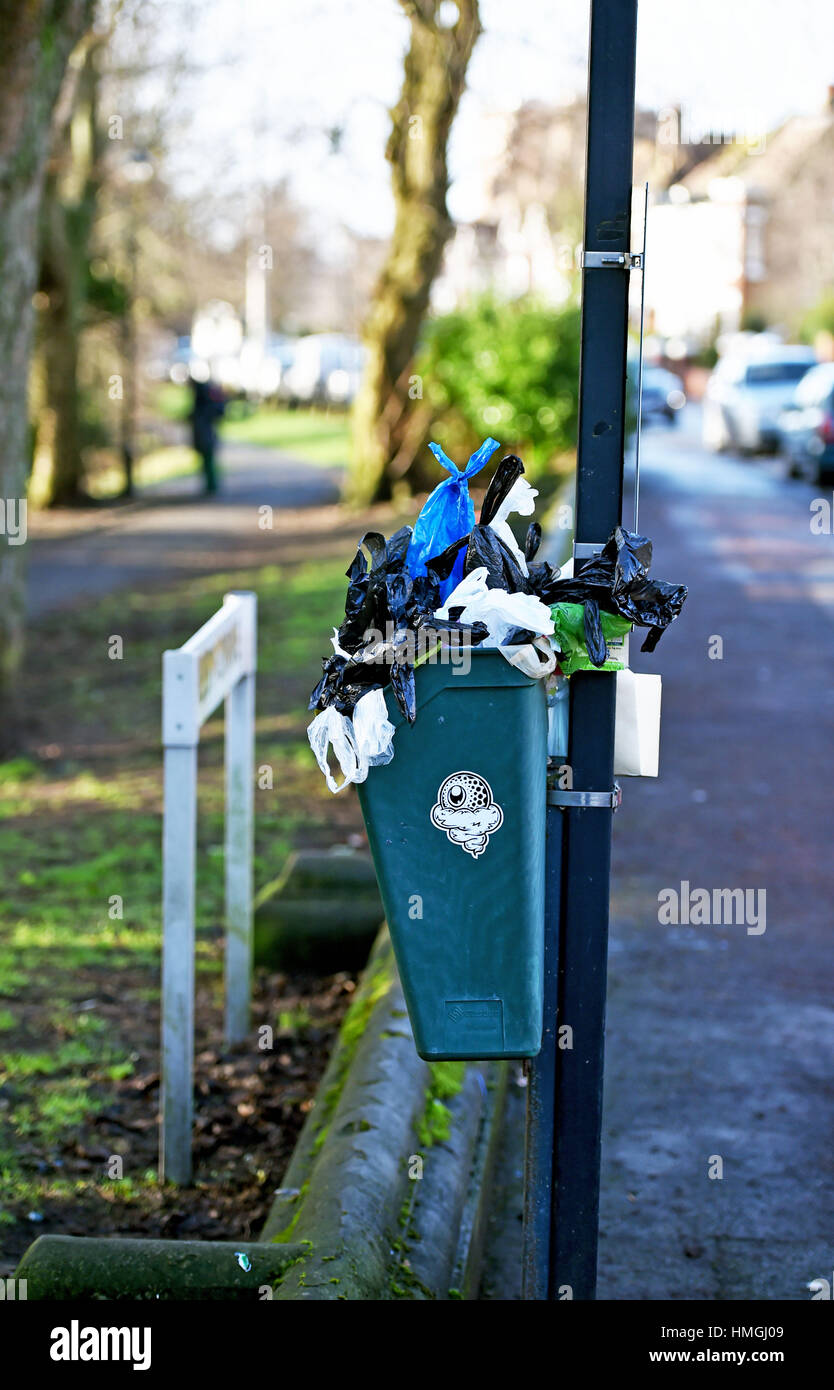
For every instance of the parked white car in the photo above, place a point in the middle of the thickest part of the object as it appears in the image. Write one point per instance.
(746, 394)
(807, 426)
(326, 368)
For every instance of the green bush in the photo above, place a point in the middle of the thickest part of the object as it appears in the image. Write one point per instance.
(819, 319)
(506, 368)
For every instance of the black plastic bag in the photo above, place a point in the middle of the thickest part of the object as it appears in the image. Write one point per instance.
(540, 579)
(476, 632)
(617, 580)
(441, 565)
(532, 541)
(656, 602)
(402, 684)
(487, 550)
(379, 594)
(519, 637)
(594, 640)
(345, 682)
(503, 479)
(382, 597)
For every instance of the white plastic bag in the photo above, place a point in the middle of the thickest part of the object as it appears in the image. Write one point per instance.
(470, 590)
(331, 727)
(521, 498)
(373, 732)
(365, 741)
(502, 612)
(337, 647)
(526, 658)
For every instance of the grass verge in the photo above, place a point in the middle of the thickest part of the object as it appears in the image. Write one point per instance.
(317, 436)
(80, 827)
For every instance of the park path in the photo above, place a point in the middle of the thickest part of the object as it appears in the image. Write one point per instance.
(171, 529)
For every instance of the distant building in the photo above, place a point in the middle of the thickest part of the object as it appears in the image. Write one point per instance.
(748, 232)
(512, 255)
(528, 232)
(741, 222)
(524, 239)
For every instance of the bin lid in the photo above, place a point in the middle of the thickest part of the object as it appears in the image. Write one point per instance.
(487, 669)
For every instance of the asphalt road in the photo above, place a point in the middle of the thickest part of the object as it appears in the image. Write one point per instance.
(718, 1165)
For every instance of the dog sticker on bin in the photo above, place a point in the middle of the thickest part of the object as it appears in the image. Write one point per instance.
(466, 811)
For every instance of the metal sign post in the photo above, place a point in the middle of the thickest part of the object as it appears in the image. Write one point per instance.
(216, 664)
(565, 1091)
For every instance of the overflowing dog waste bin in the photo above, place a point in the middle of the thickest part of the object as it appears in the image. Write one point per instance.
(456, 828)
(455, 647)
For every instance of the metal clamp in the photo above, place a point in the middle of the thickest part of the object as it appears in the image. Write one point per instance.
(605, 801)
(613, 260)
(587, 550)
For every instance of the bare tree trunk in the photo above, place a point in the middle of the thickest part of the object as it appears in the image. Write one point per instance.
(38, 37)
(388, 416)
(57, 463)
(67, 212)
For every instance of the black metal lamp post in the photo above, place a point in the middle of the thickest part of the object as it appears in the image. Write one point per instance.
(565, 1084)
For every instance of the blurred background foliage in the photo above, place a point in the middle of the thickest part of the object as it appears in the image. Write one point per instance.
(508, 368)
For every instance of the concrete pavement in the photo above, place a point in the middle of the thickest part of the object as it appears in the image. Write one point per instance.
(717, 1163)
(172, 528)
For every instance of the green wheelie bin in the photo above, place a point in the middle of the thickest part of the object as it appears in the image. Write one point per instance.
(456, 824)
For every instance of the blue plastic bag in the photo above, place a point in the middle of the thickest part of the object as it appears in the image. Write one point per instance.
(447, 515)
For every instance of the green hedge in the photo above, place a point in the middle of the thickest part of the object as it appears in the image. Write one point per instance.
(507, 368)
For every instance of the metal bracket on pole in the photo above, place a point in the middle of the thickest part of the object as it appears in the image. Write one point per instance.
(587, 550)
(629, 260)
(606, 801)
(613, 260)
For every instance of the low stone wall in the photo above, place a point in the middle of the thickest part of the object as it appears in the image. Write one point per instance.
(96, 1268)
(386, 1193)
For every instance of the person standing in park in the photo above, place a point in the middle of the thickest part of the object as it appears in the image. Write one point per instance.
(207, 408)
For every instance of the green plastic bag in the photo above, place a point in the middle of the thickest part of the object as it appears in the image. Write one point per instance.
(569, 637)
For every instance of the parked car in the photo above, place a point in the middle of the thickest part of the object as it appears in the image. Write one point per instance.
(663, 395)
(263, 366)
(746, 394)
(326, 369)
(807, 426)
